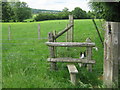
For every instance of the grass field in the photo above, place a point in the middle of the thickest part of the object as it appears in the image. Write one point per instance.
(25, 57)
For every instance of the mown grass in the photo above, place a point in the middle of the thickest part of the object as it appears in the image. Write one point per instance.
(24, 57)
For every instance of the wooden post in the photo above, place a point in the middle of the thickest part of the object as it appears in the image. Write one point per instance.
(111, 54)
(71, 31)
(52, 51)
(54, 33)
(55, 48)
(9, 32)
(38, 31)
(89, 55)
(67, 34)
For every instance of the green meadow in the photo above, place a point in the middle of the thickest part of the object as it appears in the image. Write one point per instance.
(24, 57)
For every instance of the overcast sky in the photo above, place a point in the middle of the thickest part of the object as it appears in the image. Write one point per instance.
(57, 4)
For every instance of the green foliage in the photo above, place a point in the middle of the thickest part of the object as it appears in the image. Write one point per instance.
(7, 12)
(16, 11)
(21, 11)
(79, 13)
(106, 10)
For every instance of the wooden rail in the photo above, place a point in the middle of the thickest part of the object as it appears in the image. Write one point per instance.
(70, 44)
(63, 31)
(71, 60)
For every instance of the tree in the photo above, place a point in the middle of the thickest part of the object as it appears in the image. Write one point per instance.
(91, 14)
(65, 13)
(22, 11)
(79, 13)
(7, 12)
(107, 10)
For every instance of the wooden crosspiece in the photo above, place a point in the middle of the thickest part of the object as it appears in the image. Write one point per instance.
(71, 60)
(70, 44)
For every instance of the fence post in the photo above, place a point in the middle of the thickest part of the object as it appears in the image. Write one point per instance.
(67, 34)
(71, 31)
(55, 48)
(111, 54)
(52, 50)
(54, 34)
(38, 31)
(9, 32)
(89, 55)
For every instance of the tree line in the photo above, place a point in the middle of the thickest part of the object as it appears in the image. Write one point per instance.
(19, 11)
(78, 13)
(15, 11)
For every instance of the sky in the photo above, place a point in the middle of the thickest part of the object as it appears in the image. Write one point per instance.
(57, 4)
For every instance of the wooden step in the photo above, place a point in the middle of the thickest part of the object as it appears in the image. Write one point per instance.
(71, 60)
(72, 68)
(70, 44)
(73, 71)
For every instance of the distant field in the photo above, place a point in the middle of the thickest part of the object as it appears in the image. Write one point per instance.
(25, 57)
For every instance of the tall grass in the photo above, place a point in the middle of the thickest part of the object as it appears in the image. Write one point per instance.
(24, 57)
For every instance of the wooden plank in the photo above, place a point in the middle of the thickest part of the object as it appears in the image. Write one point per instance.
(73, 71)
(70, 44)
(72, 68)
(71, 60)
(63, 31)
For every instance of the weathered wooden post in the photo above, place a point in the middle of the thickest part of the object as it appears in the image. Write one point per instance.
(52, 50)
(67, 34)
(9, 32)
(55, 48)
(38, 31)
(111, 54)
(71, 31)
(89, 55)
